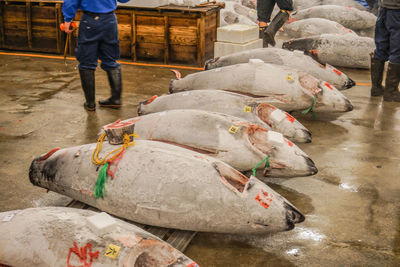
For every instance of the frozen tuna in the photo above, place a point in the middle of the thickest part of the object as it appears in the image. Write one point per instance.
(73, 237)
(244, 107)
(345, 3)
(296, 60)
(168, 186)
(302, 4)
(338, 50)
(313, 26)
(349, 17)
(286, 88)
(233, 140)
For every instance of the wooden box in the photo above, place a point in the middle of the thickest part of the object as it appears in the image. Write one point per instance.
(31, 25)
(168, 34)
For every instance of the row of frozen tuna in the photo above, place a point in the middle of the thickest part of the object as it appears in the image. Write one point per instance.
(190, 179)
(331, 32)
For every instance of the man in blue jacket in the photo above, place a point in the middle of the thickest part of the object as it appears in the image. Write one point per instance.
(97, 39)
(387, 41)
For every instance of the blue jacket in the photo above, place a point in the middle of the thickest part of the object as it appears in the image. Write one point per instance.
(96, 6)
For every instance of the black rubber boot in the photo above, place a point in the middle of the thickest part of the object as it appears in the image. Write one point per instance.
(261, 31)
(392, 93)
(88, 86)
(273, 28)
(377, 68)
(115, 80)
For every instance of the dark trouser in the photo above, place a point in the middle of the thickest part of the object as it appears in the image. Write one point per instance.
(387, 35)
(265, 8)
(98, 39)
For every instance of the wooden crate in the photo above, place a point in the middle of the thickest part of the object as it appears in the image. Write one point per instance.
(170, 34)
(31, 25)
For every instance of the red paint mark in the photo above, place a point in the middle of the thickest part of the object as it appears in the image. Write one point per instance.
(291, 20)
(349, 7)
(2, 129)
(193, 264)
(19, 120)
(309, 10)
(82, 254)
(177, 73)
(289, 143)
(151, 99)
(338, 72)
(290, 117)
(313, 52)
(121, 124)
(264, 198)
(51, 152)
(328, 85)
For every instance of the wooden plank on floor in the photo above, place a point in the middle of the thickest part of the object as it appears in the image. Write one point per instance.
(181, 239)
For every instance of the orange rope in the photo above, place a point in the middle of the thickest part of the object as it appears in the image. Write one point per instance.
(121, 62)
(363, 84)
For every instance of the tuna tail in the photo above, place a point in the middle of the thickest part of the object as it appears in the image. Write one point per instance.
(208, 64)
(171, 86)
(146, 102)
(178, 74)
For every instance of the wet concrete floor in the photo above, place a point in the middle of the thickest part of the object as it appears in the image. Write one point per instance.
(352, 205)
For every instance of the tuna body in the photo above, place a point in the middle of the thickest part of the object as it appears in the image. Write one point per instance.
(55, 236)
(296, 60)
(286, 88)
(338, 50)
(167, 186)
(233, 140)
(349, 17)
(313, 26)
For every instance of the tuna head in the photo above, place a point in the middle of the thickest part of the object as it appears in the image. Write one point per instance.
(268, 210)
(283, 122)
(285, 158)
(347, 81)
(324, 96)
(330, 99)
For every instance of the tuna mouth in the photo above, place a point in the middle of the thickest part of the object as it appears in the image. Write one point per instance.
(304, 135)
(349, 106)
(349, 83)
(293, 216)
(311, 165)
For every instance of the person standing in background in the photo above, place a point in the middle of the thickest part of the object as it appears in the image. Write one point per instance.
(97, 39)
(264, 11)
(387, 41)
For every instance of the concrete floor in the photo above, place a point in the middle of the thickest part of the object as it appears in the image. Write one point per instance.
(352, 205)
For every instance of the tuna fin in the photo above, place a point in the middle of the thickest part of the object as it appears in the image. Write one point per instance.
(177, 73)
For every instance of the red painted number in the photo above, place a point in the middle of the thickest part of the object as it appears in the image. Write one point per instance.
(83, 253)
(264, 199)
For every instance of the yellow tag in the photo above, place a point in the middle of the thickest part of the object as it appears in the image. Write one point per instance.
(233, 129)
(112, 251)
(247, 109)
(289, 77)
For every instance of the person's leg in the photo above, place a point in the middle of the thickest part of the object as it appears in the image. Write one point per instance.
(380, 55)
(286, 7)
(86, 54)
(393, 74)
(264, 11)
(109, 52)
